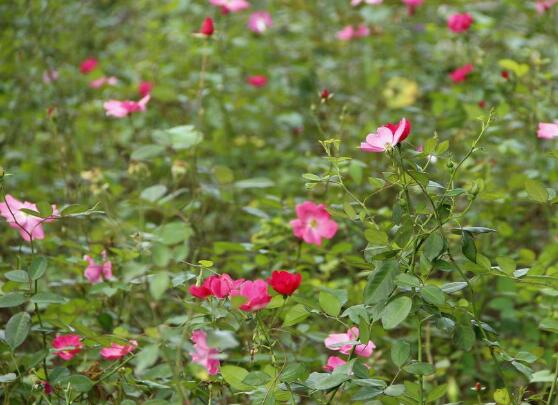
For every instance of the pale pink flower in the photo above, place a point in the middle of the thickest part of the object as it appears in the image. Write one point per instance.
(231, 6)
(543, 5)
(50, 76)
(548, 130)
(96, 273)
(460, 74)
(345, 342)
(259, 22)
(362, 31)
(103, 81)
(313, 223)
(204, 355)
(333, 362)
(255, 293)
(385, 138)
(116, 351)
(67, 346)
(346, 34)
(460, 22)
(29, 226)
(121, 109)
(357, 2)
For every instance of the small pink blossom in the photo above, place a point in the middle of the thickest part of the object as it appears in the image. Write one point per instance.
(257, 80)
(386, 137)
(548, 130)
(412, 5)
(231, 6)
(543, 5)
(121, 109)
(50, 76)
(344, 343)
(259, 22)
(313, 223)
(255, 292)
(349, 32)
(357, 2)
(333, 362)
(96, 273)
(460, 74)
(88, 65)
(29, 226)
(103, 81)
(145, 88)
(116, 351)
(203, 354)
(460, 22)
(67, 346)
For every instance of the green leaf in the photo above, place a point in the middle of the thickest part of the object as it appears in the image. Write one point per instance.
(400, 352)
(80, 383)
(256, 378)
(326, 381)
(381, 282)
(12, 299)
(434, 246)
(19, 276)
(158, 284)
(295, 315)
(147, 152)
(174, 232)
(437, 393)
(433, 295)
(502, 397)
(234, 376)
(38, 268)
(396, 312)
(145, 358)
(395, 390)
(48, 298)
(258, 182)
(376, 237)
(181, 137)
(536, 190)
(329, 303)
(153, 193)
(17, 329)
(468, 246)
(464, 336)
(419, 368)
(550, 325)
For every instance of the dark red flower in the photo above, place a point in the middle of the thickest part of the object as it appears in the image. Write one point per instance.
(46, 387)
(325, 94)
(482, 104)
(283, 282)
(207, 29)
(505, 74)
(406, 131)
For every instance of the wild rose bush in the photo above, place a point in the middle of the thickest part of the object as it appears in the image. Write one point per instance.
(232, 201)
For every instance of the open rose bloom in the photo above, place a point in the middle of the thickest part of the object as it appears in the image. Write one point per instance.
(460, 74)
(333, 362)
(119, 109)
(387, 137)
(96, 273)
(460, 22)
(205, 356)
(67, 346)
(30, 227)
(231, 6)
(313, 223)
(255, 294)
(116, 351)
(347, 342)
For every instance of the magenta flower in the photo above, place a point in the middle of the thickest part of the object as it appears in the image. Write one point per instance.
(386, 137)
(548, 130)
(121, 109)
(203, 354)
(231, 6)
(333, 362)
(88, 65)
(257, 80)
(50, 76)
(115, 351)
(259, 22)
(67, 346)
(460, 74)
(29, 226)
(460, 22)
(103, 81)
(145, 88)
(255, 292)
(313, 223)
(344, 343)
(94, 272)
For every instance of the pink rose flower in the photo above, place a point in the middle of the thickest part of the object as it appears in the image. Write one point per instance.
(88, 65)
(313, 223)
(231, 6)
(460, 74)
(67, 346)
(115, 351)
(103, 81)
(257, 81)
(460, 22)
(119, 109)
(145, 88)
(349, 32)
(547, 130)
(333, 362)
(344, 343)
(255, 292)
(219, 286)
(259, 22)
(94, 272)
(543, 5)
(203, 354)
(386, 137)
(29, 226)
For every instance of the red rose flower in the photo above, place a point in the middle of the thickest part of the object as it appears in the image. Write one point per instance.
(283, 282)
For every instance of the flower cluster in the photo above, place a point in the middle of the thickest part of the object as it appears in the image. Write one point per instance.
(346, 343)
